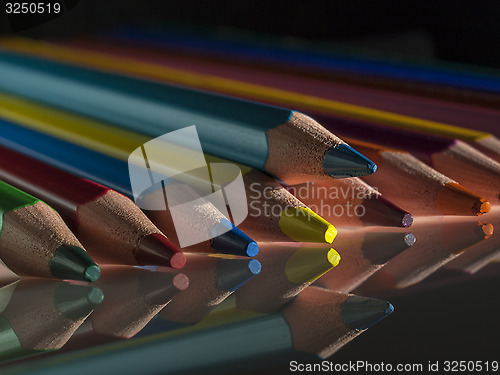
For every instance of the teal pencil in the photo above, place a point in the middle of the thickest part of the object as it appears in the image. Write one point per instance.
(282, 142)
(317, 322)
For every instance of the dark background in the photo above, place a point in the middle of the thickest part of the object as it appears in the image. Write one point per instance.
(432, 321)
(455, 30)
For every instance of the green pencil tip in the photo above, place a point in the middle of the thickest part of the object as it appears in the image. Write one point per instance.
(361, 313)
(73, 263)
(77, 301)
(342, 161)
(92, 273)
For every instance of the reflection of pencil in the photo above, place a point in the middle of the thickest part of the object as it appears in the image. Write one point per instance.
(282, 142)
(107, 171)
(287, 269)
(36, 242)
(95, 213)
(452, 157)
(241, 87)
(274, 213)
(133, 297)
(317, 322)
(418, 187)
(351, 202)
(363, 253)
(212, 279)
(479, 255)
(42, 315)
(439, 241)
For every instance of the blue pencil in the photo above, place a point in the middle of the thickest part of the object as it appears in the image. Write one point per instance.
(113, 173)
(454, 75)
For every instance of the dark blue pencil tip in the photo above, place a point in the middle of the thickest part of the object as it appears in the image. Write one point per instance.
(228, 239)
(361, 313)
(342, 161)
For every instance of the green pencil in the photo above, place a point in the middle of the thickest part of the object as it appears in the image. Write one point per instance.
(35, 241)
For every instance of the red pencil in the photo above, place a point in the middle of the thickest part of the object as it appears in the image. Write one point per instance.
(111, 226)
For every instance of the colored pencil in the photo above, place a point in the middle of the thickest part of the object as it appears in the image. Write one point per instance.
(452, 157)
(363, 254)
(94, 212)
(41, 315)
(113, 173)
(317, 322)
(35, 241)
(430, 109)
(212, 279)
(351, 202)
(133, 297)
(274, 213)
(437, 79)
(288, 269)
(238, 130)
(483, 141)
(419, 188)
(439, 241)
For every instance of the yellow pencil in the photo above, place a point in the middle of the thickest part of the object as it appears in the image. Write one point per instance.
(485, 142)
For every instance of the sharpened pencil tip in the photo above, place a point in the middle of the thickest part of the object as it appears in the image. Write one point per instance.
(228, 239)
(73, 263)
(232, 273)
(361, 313)
(92, 273)
(302, 224)
(76, 301)
(407, 220)
(156, 249)
(378, 210)
(342, 161)
(484, 207)
(454, 199)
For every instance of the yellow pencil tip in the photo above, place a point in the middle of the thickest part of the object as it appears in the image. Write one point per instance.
(304, 225)
(333, 258)
(310, 263)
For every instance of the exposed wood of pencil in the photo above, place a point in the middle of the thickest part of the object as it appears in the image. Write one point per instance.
(110, 225)
(351, 202)
(411, 183)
